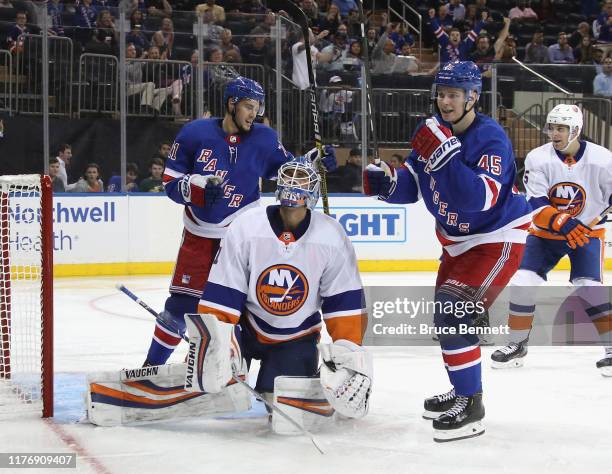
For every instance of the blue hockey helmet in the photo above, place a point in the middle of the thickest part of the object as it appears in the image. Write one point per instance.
(460, 74)
(297, 184)
(243, 88)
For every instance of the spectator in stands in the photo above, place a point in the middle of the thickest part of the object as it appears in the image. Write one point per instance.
(353, 57)
(353, 23)
(456, 9)
(401, 36)
(212, 31)
(507, 51)
(105, 23)
(298, 52)
(64, 157)
(583, 54)
(522, 12)
(218, 12)
(583, 31)
(232, 56)
(350, 173)
(14, 35)
(471, 17)
(164, 147)
(226, 41)
(331, 20)
(85, 14)
(451, 46)
(602, 27)
(256, 51)
(598, 57)
(158, 8)
(383, 56)
(372, 39)
(445, 21)
(536, 52)
(57, 185)
(397, 161)
(336, 104)
(602, 84)
(136, 36)
(484, 53)
(55, 10)
(5, 4)
(131, 180)
(561, 52)
(150, 99)
(311, 9)
(154, 183)
(345, 6)
(100, 42)
(166, 79)
(90, 182)
(164, 39)
(336, 50)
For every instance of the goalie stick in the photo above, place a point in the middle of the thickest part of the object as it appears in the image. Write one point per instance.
(254, 392)
(299, 15)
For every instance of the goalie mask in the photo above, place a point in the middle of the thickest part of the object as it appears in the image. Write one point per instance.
(568, 115)
(297, 184)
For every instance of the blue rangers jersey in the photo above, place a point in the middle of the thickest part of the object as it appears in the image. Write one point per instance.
(202, 147)
(472, 197)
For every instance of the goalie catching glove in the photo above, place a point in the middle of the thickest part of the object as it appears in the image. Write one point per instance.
(346, 377)
(201, 191)
(214, 356)
(436, 143)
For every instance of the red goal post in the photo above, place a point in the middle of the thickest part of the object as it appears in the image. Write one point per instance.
(26, 295)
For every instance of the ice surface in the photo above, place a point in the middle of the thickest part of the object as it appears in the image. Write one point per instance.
(553, 415)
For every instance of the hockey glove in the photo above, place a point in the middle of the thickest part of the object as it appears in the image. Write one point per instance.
(346, 377)
(436, 144)
(201, 191)
(574, 231)
(328, 159)
(379, 180)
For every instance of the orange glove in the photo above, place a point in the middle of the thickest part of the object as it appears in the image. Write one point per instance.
(574, 231)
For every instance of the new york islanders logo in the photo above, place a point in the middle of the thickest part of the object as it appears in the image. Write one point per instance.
(282, 289)
(568, 197)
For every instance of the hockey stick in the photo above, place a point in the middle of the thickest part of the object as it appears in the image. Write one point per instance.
(368, 83)
(297, 13)
(601, 215)
(254, 392)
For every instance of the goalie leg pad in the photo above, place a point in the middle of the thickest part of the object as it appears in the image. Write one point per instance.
(214, 353)
(303, 400)
(153, 394)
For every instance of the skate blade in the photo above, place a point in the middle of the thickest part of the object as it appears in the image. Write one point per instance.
(606, 371)
(511, 364)
(469, 431)
(431, 415)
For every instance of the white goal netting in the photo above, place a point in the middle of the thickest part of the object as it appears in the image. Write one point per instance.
(22, 360)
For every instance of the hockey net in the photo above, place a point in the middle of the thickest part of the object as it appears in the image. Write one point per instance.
(26, 298)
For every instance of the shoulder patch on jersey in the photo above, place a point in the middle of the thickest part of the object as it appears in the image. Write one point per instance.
(282, 289)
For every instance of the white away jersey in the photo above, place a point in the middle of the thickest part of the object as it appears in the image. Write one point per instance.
(580, 185)
(286, 286)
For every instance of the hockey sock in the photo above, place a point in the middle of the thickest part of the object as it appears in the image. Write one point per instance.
(460, 350)
(165, 336)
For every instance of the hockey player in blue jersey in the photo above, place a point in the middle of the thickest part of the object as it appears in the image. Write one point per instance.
(213, 170)
(462, 166)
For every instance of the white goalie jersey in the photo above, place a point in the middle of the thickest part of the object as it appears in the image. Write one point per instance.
(287, 286)
(579, 185)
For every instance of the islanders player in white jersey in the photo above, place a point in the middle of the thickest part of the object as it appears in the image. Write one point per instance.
(213, 170)
(462, 166)
(281, 271)
(568, 183)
